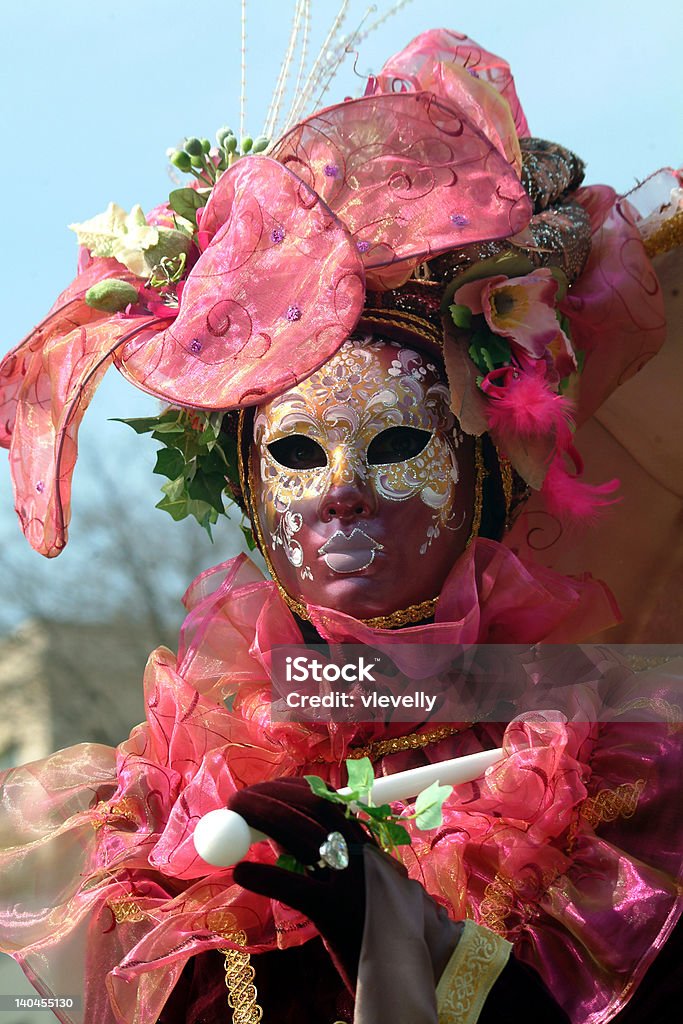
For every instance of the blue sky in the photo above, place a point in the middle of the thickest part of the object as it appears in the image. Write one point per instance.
(93, 93)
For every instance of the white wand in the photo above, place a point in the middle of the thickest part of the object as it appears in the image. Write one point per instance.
(222, 837)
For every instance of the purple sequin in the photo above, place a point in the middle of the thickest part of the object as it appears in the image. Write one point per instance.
(459, 219)
(196, 346)
(362, 246)
(40, 487)
(277, 235)
(471, 71)
(293, 314)
(331, 171)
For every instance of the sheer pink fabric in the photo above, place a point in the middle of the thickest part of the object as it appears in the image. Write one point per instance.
(615, 308)
(276, 292)
(409, 175)
(415, 64)
(99, 871)
(46, 384)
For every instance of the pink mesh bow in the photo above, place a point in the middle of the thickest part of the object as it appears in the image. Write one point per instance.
(362, 190)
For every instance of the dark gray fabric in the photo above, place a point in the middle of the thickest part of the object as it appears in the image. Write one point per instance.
(407, 942)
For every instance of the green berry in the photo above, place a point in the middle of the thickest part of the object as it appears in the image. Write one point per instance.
(197, 161)
(194, 146)
(111, 295)
(230, 144)
(206, 145)
(247, 143)
(180, 159)
(222, 134)
(260, 144)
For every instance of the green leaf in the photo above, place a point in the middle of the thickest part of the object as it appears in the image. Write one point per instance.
(186, 202)
(208, 487)
(378, 813)
(428, 806)
(174, 426)
(319, 788)
(177, 508)
(462, 315)
(176, 488)
(145, 424)
(229, 450)
(396, 834)
(361, 777)
(488, 351)
(181, 507)
(248, 534)
(289, 863)
(562, 283)
(212, 462)
(170, 463)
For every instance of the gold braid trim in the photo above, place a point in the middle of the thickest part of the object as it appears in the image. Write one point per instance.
(126, 910)
(470, 974)
(478, 489)
(413, 741)
(610, 804)
(388, 317)
(239, 981)
(507, 485)
(669, 712)
(607, 805)
(667, 236)
(640, 663)
(496, 905)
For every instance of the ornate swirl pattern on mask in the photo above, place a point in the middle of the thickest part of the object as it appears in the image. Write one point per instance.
(369, 386)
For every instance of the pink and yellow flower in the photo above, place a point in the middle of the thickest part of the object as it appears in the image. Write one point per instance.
(521, 309)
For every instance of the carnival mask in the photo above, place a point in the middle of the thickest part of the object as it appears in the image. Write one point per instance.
(362, 481)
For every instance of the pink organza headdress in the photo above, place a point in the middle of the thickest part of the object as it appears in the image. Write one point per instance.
(415, 201)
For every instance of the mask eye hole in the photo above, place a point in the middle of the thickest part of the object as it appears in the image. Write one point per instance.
(397, 444)
(298, 452)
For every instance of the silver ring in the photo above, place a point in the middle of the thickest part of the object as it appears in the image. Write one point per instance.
(334, 852)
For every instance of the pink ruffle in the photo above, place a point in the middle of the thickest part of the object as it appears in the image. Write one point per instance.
(102, 868)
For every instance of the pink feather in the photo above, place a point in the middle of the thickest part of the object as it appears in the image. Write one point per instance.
(572, 500)
(526, 406)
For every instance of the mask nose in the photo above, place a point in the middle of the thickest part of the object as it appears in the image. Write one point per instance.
(351, 494)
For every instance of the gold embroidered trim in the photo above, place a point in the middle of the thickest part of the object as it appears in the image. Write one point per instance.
(669, 712)
(106, 812)
(413, 741)
(666, 237)
(470, 974)
(126, 910)
(610, 804)
(478, 489)
(639, 663)
(496, 905)
(507, 484)
(388, 317)
(607, 805)
(239, 981)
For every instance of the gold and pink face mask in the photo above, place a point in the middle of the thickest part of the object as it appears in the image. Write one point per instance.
(357, 482)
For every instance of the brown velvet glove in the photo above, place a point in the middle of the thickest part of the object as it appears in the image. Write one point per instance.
(288, 812)
(334, 900)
